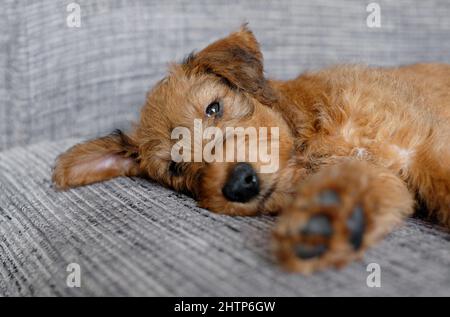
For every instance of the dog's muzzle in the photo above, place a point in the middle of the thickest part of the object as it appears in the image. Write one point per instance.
(242, 184)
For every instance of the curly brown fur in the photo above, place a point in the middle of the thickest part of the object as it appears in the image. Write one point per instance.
(357, 146)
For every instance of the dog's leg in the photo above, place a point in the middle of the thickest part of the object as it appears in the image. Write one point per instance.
(435, 192)
(340, 211)
(431, 176)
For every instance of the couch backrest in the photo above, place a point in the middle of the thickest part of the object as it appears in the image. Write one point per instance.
(57, 81)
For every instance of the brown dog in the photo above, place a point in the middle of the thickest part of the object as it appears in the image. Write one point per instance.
(357, 147)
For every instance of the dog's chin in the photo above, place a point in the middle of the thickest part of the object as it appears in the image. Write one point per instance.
(274, 200)
(220, 205)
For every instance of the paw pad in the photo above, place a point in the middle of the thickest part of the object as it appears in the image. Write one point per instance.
(318, 228)
(318, 225)
(306, 252)
(329, 198)
(356, 226)
(316, 235)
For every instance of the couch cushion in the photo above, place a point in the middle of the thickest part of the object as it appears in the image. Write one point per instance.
(58, 82)
(133, 237)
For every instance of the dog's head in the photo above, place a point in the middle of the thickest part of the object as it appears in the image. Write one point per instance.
(210, 129)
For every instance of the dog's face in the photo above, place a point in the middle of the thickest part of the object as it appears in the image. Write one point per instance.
(222, 87)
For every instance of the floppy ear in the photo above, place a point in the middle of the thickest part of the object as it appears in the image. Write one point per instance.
(238, 60)
(97, 160)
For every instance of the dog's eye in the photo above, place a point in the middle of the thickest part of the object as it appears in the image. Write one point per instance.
(214, 109)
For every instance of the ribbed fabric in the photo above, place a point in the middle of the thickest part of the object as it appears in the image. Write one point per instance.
(133, 237)
(58, 82)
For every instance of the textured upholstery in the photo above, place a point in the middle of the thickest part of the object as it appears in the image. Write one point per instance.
(133, 237)
(130, 236)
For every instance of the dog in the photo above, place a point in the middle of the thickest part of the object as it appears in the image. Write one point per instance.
(359, 148)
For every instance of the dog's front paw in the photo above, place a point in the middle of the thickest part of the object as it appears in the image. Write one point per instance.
(328, 230)
(334, 218)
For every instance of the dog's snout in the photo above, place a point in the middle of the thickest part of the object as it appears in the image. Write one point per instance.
(242, 184)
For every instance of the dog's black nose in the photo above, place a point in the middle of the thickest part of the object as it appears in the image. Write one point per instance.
(242, 184)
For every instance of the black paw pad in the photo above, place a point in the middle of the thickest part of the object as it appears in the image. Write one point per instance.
(329, 198)
(310, 251)
(356, 226)
(317, 227)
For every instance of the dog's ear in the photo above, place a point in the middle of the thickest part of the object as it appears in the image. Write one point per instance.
(238, 60)
(97, 160)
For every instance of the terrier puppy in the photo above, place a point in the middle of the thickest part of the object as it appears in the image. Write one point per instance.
(358, 147)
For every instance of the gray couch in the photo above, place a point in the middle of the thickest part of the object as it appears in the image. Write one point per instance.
(59, 85)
